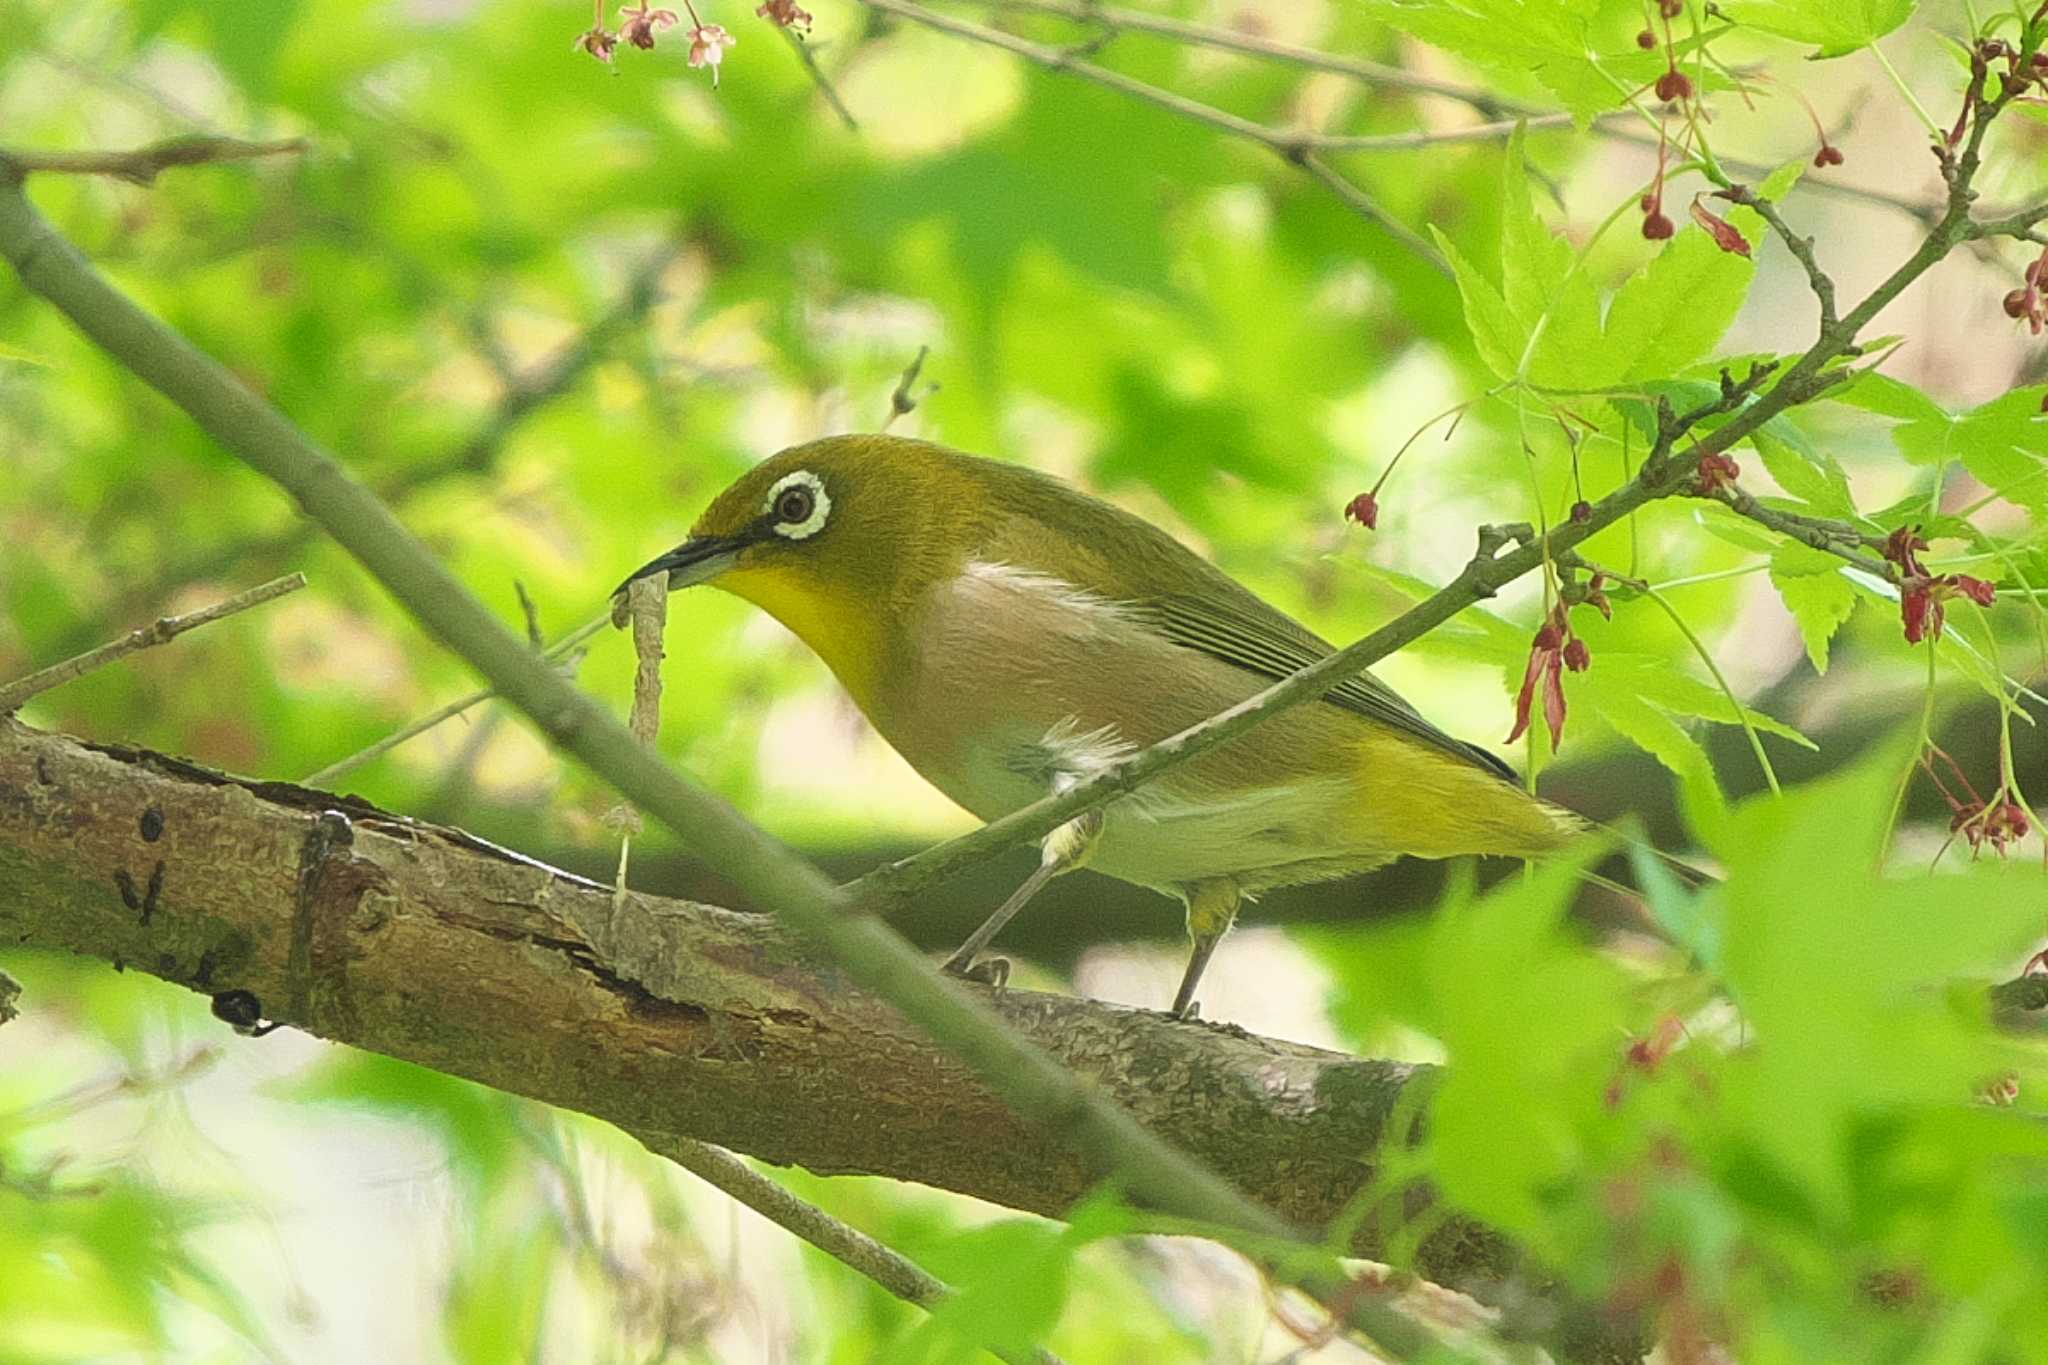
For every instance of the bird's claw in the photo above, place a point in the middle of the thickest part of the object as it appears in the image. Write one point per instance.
(989, 971)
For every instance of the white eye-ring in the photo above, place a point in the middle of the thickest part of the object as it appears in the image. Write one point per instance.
(797, 505)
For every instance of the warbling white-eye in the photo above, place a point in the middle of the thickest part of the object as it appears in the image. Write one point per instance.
(1009, 635)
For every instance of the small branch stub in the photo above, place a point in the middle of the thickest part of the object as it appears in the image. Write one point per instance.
(902, 401)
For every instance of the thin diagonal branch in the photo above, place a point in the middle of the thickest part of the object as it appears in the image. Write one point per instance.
(818, 77)
(160, 631)
(1837, 538)
(848, 1245)
(902, 400)
(1365, 206)
(412, 730)
(1112, 20)
(553, 377)
(1292, 147)
(1500, 130)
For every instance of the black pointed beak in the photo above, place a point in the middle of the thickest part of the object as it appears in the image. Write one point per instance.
(697, 560)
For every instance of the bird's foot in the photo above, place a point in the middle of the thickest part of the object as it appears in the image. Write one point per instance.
(1189, 1012)
(989, 971)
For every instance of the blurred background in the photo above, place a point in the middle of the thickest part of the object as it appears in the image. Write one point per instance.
(549, 306)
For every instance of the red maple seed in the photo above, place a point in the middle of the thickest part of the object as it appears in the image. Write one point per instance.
(1553, 650)
(1582, 511)
(1725, 234)
(1828, 155)
(1365, 510)
(1646, 40)
(1657, 227)
(1674, 85)
(1918, 611)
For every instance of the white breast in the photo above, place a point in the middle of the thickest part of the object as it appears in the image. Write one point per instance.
(1014, 660)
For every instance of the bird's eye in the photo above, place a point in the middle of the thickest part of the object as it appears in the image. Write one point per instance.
(796, 507)
(794, 504)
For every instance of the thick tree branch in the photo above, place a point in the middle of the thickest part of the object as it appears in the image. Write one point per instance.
(665, 1017)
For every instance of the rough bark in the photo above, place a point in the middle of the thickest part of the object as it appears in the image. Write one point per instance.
(662, 1016)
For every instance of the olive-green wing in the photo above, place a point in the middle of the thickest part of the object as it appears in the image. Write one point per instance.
(1275, 646)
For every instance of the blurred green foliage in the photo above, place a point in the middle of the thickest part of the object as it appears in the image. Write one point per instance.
(1768, 1136)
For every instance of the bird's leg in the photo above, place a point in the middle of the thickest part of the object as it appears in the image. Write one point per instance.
(1063, 850)
(1212, 906)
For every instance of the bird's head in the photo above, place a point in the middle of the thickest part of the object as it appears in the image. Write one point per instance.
(832, 537)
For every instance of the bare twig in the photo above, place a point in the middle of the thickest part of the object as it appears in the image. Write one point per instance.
(901, 400)
(1802, 248)
(848, 1245)
(818, 77)
(163, 629)
(724, 1171)
(1499, 130)
(414, 729)
(1837, 538)
(2022, 224)
(530, 609)
(1289, 146)
(1365, 206)
(1112, 20)
(143, 165)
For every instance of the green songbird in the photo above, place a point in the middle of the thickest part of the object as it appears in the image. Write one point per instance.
(1010, 635)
